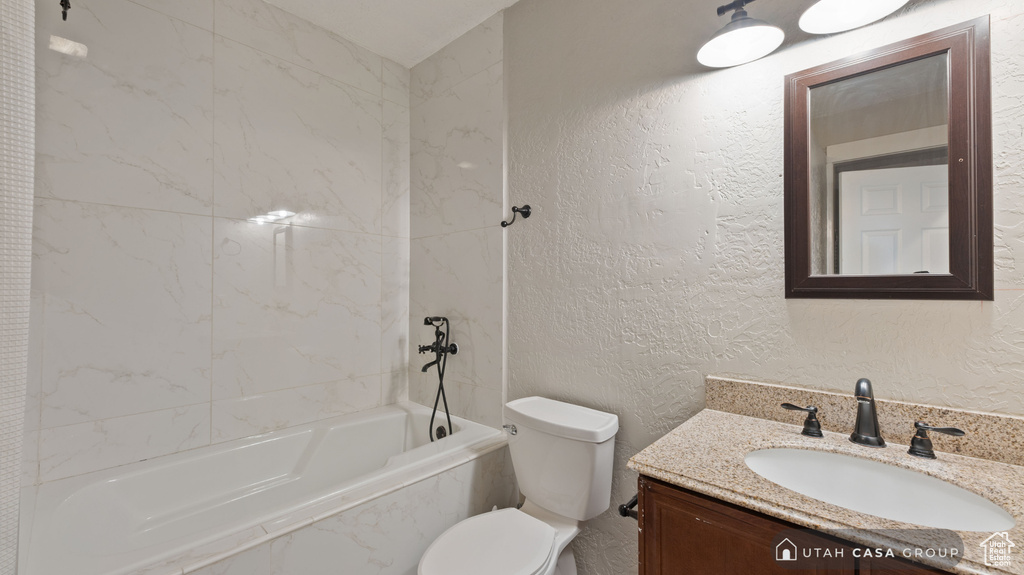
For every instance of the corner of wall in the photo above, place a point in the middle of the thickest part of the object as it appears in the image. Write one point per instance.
(457, 199)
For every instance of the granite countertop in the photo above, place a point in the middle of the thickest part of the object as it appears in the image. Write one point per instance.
(706, 455)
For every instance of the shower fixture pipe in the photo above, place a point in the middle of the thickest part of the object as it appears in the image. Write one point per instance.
(441, 348)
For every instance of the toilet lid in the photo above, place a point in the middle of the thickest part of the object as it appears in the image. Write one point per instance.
(505, 542)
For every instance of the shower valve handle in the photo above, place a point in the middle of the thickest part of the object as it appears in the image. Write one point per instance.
(436, 348)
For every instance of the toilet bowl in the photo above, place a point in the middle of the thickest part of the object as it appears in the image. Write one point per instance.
(507, 541)
(562, 455)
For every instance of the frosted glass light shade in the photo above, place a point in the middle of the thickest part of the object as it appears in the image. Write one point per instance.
(742, 40)
(831, 16)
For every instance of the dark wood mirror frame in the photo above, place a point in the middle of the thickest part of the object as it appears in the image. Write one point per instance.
(970, 172)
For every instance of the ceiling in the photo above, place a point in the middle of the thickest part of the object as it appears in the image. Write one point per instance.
(409, 31)
(406, 31)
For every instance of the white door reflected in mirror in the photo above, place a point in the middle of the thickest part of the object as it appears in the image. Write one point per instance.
(893, 221)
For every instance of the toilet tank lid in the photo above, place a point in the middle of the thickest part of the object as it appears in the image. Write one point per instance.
(562, 419)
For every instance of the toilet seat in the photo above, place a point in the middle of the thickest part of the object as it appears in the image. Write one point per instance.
(505, 542)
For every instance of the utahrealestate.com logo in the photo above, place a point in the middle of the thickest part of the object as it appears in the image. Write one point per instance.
(998, 550)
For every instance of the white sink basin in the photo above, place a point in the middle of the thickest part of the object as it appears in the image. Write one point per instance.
(879, 489)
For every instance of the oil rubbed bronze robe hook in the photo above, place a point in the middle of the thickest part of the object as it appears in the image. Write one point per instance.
(525, 210)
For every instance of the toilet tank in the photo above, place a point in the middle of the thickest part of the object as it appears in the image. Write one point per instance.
(562, 455)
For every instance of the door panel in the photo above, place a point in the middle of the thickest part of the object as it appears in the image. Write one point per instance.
(894, 221)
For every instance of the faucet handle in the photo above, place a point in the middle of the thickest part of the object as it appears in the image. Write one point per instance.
(925, 428)
(812, 427)
(921, 444)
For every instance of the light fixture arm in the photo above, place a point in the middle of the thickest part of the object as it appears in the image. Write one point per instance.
(734, 5)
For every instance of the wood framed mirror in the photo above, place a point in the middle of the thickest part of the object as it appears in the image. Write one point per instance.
(888, 172)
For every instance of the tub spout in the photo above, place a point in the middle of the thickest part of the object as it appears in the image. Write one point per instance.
(429, 365)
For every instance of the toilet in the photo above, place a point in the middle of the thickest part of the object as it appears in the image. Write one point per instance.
(562, 456)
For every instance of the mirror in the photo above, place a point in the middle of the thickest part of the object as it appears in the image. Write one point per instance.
(888, 172)
(878, 146)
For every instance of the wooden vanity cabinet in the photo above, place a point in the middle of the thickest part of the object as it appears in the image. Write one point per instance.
(684, 533)
(893, 567)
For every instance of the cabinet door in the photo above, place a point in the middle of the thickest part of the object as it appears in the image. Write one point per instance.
(683, 533)
(870, 566)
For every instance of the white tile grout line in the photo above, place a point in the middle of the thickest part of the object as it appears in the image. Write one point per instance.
(383, 186)
(289, 60)
(213, 203)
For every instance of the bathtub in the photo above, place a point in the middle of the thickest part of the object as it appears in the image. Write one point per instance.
(178, 513)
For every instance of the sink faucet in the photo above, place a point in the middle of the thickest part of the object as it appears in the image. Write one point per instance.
(865, 431)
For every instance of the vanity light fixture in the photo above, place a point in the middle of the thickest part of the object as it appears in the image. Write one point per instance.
(832, 16)
(271, 217)
(743, 39)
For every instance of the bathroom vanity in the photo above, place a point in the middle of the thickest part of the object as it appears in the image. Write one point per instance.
(702, 508)
(682, 531)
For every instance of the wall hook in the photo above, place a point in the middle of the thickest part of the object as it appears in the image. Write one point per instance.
(525, 210)
(65, 5)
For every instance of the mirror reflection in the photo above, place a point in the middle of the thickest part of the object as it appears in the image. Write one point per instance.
(879, 201)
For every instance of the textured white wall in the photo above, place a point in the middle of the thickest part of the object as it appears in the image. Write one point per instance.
(457, 251)
(655, 254)
(17, 145)
(162, 319)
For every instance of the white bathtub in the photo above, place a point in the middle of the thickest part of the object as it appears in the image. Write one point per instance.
(178, 513)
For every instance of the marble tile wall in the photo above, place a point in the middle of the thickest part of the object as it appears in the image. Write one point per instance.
(161, 319)
(457, 247)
